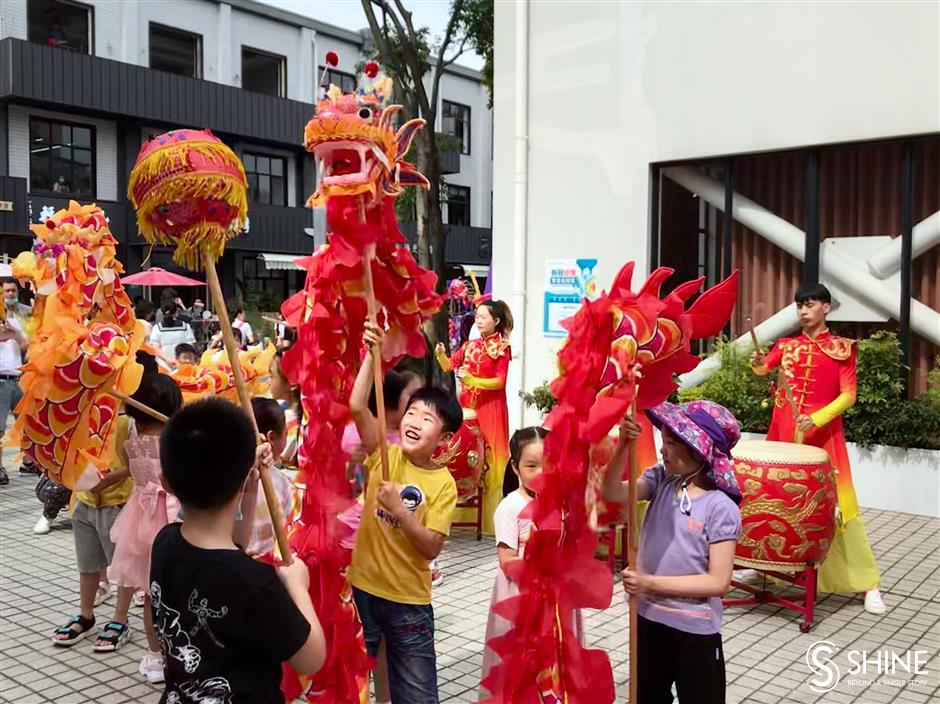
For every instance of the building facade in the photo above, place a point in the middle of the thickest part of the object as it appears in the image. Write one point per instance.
(626, 130)
(84, 84)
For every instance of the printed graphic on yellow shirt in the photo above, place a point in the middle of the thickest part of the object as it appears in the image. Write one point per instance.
(411, 496)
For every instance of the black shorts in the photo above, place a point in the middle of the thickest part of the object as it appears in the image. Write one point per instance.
(694, 663)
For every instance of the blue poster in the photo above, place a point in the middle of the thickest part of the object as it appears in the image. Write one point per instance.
(567, 282)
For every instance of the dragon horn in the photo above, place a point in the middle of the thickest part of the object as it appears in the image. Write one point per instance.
(624, 278)
(406, 135)
(655, 280)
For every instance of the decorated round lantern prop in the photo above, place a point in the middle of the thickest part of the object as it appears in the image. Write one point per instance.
(190, 190)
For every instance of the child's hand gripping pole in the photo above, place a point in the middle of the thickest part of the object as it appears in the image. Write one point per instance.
(632, 550)
(270, 497)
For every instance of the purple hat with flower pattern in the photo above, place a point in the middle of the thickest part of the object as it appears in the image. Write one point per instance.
(710, 430)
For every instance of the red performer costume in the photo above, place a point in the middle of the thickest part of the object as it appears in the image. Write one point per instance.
(819, 368)
(484, 364)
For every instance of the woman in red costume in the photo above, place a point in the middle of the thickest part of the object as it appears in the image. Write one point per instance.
(482, 365)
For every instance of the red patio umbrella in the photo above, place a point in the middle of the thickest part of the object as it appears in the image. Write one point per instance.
(155, 276)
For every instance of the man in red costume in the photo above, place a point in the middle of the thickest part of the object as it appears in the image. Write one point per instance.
(819, 368)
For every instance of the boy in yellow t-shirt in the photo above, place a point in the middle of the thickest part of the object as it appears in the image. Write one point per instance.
(94, 513)
(404, 523)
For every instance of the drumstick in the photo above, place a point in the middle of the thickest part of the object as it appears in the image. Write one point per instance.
(754, 340)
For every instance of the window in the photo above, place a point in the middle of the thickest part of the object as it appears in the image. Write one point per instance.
(457, 123)
(267, 178)
(61, 157)
(458, 205)
(175, 51)
(66, 25)
(264, 73)
(344, 81)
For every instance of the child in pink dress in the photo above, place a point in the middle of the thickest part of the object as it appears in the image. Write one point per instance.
(148, 509)
(512, 532)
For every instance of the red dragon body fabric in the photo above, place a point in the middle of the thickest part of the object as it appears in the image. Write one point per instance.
(621, 345)
(359, 155)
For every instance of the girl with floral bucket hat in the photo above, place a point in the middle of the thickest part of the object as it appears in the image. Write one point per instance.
(686, 549)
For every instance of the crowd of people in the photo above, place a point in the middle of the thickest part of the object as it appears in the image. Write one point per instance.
(178, 528)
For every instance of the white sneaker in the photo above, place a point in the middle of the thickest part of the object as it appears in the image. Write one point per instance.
(138, 598)
(745, 576)
(43, 526)
(151, 667)
(874, 604)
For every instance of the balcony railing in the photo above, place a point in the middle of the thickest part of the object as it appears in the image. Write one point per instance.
(80, 82)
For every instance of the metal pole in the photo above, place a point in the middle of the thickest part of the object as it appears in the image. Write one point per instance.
(907, 240)
(811, 210)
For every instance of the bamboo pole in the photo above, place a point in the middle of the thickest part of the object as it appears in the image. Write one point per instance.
(632, 550)
(270, 497)
(378, 378)
(127, 400)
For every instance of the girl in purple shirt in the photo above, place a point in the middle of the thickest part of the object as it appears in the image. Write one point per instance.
(686, 550)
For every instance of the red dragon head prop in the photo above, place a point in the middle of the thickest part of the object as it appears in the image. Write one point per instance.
(356, 147)
(621, 345)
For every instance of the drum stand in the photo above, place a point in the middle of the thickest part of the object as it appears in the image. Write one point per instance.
(806, 580)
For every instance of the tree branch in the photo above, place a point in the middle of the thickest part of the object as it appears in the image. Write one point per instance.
(445, 42)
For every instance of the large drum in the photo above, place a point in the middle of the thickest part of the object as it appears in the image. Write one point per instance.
(465, 457)
(788, 514)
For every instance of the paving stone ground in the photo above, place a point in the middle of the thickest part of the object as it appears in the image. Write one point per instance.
(764, 649)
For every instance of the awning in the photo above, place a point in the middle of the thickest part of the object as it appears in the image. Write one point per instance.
(280, 262)
(478, 270)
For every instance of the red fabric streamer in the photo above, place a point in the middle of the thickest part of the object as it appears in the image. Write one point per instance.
(323, 362)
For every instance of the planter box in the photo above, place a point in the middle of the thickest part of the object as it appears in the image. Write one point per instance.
(893, 478)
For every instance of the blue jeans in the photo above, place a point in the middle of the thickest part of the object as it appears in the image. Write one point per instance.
(408, 631)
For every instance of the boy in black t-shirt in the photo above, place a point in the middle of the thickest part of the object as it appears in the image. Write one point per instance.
(225, 622)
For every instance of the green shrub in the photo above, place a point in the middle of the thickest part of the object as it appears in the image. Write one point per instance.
(539, 398)
(881, 414)
(736, 388)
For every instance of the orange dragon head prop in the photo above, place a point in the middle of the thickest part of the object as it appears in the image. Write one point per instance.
(83, 342)
(620, 346)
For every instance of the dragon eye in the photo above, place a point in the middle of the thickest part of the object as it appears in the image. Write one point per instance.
(365, 113)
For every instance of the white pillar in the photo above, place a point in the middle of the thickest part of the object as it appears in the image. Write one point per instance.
(521, 207)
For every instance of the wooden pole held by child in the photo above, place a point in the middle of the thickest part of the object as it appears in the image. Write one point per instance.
(270, 497)
(632, 550)
(378, 377)
(128, 401)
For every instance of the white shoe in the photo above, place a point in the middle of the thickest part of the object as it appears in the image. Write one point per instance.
(43, 526)
(874, 604)
(745, 576)
(151, 667)
(138, 598)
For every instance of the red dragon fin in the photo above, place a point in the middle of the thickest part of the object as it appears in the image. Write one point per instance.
(712, 309)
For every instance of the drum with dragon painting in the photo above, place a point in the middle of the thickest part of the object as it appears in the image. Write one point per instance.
(788, 514)
(465, 457)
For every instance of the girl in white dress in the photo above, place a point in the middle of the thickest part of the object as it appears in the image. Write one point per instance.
(512, 532)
